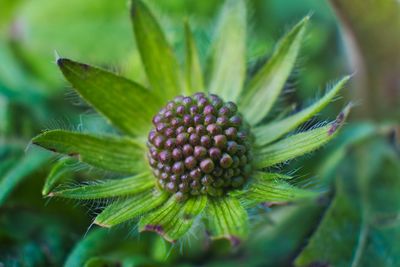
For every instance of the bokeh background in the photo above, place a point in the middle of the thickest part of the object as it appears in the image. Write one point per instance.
(356, 220)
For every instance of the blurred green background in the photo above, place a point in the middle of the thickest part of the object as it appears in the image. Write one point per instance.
(359, 171)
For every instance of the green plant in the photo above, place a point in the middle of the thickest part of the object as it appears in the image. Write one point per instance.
(234, 164)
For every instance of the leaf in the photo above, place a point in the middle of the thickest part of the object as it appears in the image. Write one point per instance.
(97, 242)
(268, 187)
(226, 219)
(268, 133)
(110, 153)
(173, 219)
(281, 233)
(126, 209)
(299, 144)
(30, 162)
(127, 105)
(59, 172)
(194, 74)
(228, 58)
(265, 87)
(157, 56)
(108, 188)
(335, 229)
(361, 228)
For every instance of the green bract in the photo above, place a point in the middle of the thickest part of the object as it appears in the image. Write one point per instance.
(132, 107)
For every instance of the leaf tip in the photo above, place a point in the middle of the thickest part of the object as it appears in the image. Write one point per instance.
(157, 229)
(134, 6)
(101, 224)
(340, 119)
(61, 61)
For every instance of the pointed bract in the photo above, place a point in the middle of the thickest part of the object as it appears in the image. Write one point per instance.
(127, 105)
(299, 144)
(108, 188)
(270, 132)
(265, 87)
(228, 58)
(131, 207)
(157, 56)
(60, 171)
(226, 218)
(173, 219)
(193, 71)
(122, 155)
(269, 187)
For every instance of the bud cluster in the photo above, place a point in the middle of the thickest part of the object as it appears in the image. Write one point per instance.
(200, 145)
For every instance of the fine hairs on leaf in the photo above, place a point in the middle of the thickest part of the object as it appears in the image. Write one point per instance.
(190, 148)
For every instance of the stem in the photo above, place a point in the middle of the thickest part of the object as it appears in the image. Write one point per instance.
(373, 42)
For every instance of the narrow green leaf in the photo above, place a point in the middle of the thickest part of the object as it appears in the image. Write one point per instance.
(226, 218)
(299, 144)
(228, 59)
(157, 56)
(340, 225)
(30, 162)
(91, 245)
(127, 105)
(265, 87)
(269, 187)
(268, 133)
(108, 188)
(194, 73)
(129, 208)
(110, 153)
(60, 171)
(173, 219)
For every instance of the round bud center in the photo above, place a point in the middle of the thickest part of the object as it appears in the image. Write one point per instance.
(200, 145)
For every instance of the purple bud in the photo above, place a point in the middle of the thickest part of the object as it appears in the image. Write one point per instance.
(175, 122)
(194, 139)
(207, 165)
(208, 119)
(226, 161)
(182, 139)
(178, 167)
(214, 129)
(190, 162)
(200, 129)
(164, 156)
(157, 119)
(220, 141)
(200, 152)
(177, 154)
(231, 133)
(215, 153)
(209, 110)
(161, 126)
(159, 141)
(235, 120)
(170, 143)
(195, 174)
(171, 187)
(180, 129)
(198, 119)
(187, 150)
(169, 132)
(205, 141)
(187, 119)
(232, 147)
(193, 110)
(180, 110)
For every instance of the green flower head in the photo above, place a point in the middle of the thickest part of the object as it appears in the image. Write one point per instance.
(191, 149)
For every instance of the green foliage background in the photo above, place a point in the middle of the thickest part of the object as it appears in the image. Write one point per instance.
(355, 223)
